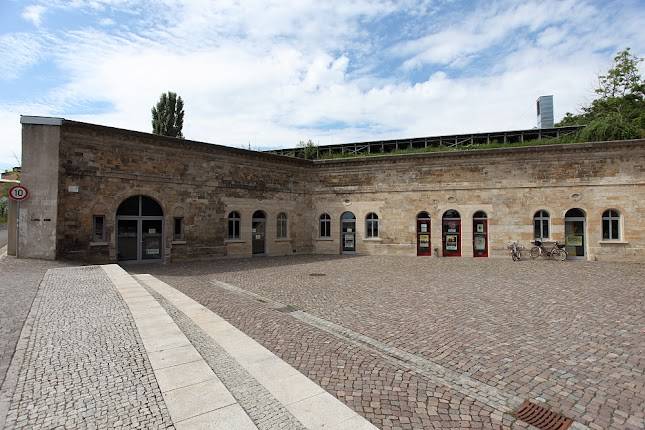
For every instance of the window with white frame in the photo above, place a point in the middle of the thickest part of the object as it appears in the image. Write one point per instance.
(371, 225)
(234, 225)
(611, 225)
(281, 228)
(325, 226)
(541, 225)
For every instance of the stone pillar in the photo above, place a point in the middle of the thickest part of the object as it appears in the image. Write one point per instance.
(11, 228)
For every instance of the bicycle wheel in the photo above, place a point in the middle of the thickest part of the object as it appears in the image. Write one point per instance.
(535, 252)
(559, 254)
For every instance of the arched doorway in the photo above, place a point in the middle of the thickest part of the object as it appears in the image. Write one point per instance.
(348, 233)
(451, 233)
(423, 234)
(258, 230)
(480, 234)
(575, 225)
(139, 222)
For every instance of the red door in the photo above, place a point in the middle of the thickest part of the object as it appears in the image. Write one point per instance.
(480, 237)
(451, 237)
(423, 237)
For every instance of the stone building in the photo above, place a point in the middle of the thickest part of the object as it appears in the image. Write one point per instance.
(101, 194)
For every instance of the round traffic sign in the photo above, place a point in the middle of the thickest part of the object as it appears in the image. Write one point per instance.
(18, 193)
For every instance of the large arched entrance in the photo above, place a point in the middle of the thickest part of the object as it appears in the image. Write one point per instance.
(423, 234)
(575, 225)
(139, 236)
(348, 233)
(258, 230)
(451, 232)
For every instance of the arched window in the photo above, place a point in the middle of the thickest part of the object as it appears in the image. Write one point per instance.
(541, 225)
(139, 206)
(234, 225)
(324, 229)
(423, 215)
(281, 227)
(371, 225)
(611, 224)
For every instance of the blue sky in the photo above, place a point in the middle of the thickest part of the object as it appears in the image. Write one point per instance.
(270, 74)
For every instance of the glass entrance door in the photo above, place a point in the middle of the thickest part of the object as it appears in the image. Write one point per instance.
(151, 239)
(574, 237)
(480, 234)
(423, 236)
(349, 236)
(127, 232)
(451, 232)
(258, 231)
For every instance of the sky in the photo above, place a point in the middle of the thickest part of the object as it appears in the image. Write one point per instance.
(268, 74)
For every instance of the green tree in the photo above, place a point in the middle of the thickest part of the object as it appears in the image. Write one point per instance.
(309, 149)
(619, 110)
(168, 115)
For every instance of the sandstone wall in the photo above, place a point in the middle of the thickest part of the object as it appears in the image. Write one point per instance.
(200, 182)
(510, 185)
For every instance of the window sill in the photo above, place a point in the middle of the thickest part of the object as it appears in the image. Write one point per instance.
(99, 243)
(325, 239)
(283, 240)
(613, 242)
(372, 239)
(179, 242)
(234, 241)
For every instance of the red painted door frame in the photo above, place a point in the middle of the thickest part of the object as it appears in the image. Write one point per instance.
(448, 237)
(427, 250)
(481, 234)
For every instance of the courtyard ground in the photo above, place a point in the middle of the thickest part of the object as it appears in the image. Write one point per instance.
(403, 342)
(427, 342)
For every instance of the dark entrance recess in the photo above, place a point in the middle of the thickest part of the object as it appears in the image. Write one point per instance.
(258, 230)
(451, 233)
(480, 234)
(424, 246)
(348, 233)
(139, 229)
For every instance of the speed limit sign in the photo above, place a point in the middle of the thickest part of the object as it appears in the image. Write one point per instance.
(18, 193)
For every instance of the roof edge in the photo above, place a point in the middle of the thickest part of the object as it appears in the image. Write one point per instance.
(41, 120)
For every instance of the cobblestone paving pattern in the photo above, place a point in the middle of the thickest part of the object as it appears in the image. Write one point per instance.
(85, 365)
(570, 334)
(19, 280)
(265, 411)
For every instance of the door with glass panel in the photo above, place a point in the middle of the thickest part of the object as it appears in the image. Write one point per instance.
(574, 233)
(139, 236)
(348, 233)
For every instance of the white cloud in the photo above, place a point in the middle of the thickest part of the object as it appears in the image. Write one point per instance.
(18, 51)
(34, 14)
(271, 75)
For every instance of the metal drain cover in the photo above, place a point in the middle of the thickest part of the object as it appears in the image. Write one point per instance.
(541, 417)
(317, 274)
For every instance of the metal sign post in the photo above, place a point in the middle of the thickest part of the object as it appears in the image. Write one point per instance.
(18, 193)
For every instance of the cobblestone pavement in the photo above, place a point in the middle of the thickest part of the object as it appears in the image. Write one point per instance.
(569, 334)
(265, 411)
(19, 280)
(85, 365)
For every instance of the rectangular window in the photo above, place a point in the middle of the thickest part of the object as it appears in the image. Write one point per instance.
(178, 230)
(614, 229)
(282, 228)
(372, 228)
(325, 228)
(233, 228)
(98, 232)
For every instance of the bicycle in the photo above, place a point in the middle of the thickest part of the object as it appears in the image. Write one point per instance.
(516, 250)
(557, 251)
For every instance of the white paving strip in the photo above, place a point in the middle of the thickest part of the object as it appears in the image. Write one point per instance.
(194, 395)
(306, 400)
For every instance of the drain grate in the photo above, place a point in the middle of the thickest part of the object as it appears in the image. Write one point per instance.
(317, 274)
(541, 417)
